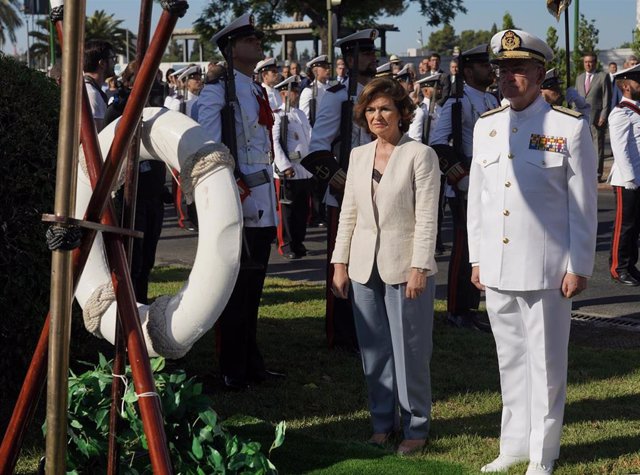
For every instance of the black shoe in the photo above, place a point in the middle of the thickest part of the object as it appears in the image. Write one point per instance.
(301, 250)
(625, 278)
(266, 375)
(292, 255)
(635, 273)
(601, 180)
(321, 224)
(232, 384)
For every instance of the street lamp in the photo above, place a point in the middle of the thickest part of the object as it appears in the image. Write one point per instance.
(332, 24)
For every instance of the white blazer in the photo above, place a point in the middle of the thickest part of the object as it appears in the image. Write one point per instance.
(404, 234)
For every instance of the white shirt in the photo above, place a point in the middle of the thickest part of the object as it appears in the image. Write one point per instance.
(275, 100)
(253, 140)
(532, 205)
(419, 121)
(307, 94)
(174, 102)
(98, 105)
(624, 130)
(298, 137)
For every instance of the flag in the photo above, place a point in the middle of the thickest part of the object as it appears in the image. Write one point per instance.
(556, 7)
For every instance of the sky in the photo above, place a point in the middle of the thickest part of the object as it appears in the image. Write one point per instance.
(615, 19)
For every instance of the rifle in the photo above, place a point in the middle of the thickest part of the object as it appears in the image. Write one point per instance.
(346, 116)
(426, 130)
(284, 143)
(456, 116)
(229, 138)
(313, 102)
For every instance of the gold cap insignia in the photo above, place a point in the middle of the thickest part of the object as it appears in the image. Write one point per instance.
(510, 41)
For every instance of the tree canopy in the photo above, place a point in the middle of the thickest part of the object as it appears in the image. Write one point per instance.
(358, 14)
(9, 20)
(101, 26)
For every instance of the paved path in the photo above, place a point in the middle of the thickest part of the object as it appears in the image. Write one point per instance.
(603, 298)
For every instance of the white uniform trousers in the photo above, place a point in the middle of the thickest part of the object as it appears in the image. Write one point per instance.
(531, 330)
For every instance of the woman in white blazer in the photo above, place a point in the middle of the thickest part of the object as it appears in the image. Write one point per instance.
(385, 247)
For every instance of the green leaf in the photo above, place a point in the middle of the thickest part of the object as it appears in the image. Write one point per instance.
(157, 364)
(209, 417)
(281, 428)
(196, 448)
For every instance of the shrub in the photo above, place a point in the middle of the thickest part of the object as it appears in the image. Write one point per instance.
(29, 110)
(198, 443)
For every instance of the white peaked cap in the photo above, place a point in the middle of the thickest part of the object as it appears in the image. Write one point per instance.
(518, 44)
(265, 63)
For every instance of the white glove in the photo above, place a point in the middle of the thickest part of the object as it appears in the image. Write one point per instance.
(630, 185)
(463, 183)
(250, 211)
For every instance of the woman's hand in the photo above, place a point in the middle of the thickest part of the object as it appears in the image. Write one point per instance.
(340, 284)
(416, 284)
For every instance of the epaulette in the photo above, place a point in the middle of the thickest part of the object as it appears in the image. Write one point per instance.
(494, 111)
(566, 110)
(336, 88)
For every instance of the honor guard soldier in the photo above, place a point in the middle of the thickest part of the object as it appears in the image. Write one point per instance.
(310, 98)
(291, 136)
(192, 80)
(267, 74)
(334, 127)
(311, 95)
(624, 130)
(384, 71)
(452, 140)
(235, 110)
(421, 129)
(427, 113)
(174, 100)
(532, 221)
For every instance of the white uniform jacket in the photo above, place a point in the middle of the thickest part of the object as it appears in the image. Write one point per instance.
(307, 94)
(298, 137)
(327, 126)
(275, 100)
(532, 212)
(404, 233)
(253, 139)
(419, 121)
(624, 130)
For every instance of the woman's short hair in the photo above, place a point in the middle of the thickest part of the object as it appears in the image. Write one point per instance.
(385, 87)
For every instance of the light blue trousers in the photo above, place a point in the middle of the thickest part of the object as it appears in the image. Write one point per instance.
(394, 334)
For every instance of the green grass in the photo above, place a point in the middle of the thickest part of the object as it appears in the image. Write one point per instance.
(323, 398)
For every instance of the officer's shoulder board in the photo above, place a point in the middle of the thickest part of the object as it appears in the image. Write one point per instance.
(336, 88)
(494, 111)
(566, 110)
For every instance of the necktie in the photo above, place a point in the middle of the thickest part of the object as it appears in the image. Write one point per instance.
(587, 84)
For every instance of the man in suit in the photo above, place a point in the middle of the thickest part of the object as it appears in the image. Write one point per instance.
(532, 225)
(593, 86)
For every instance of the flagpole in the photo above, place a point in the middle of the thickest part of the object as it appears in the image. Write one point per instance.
(567, 55)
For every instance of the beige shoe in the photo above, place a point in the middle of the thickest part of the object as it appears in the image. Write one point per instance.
(535, 468)
(411, 446)
(502, 463)
(379, 439)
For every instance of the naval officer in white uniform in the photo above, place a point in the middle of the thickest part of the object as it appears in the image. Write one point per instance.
(532, 220)
(320, 68)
